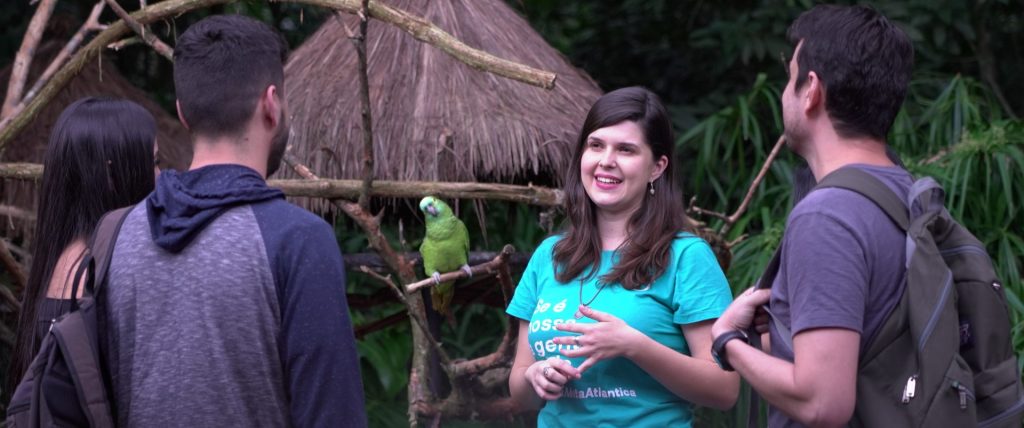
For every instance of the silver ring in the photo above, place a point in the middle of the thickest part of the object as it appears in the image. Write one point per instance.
(544, 371)
(576, 340)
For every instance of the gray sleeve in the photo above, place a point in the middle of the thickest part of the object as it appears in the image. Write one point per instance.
(826, 272)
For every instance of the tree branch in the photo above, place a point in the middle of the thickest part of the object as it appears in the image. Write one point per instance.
(415, 26)
(349, 189)
(14, 268)
(427, 32)
(92, 23)
(15, 212)
(731, 219)
(23, 59)
(147, 36)
(446, 361)
(359, 40)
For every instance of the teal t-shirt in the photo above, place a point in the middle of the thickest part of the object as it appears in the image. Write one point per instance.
(617, 392)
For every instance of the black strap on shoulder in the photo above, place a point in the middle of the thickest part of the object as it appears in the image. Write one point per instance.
(854, 179)
(93, 268)
(103, 240)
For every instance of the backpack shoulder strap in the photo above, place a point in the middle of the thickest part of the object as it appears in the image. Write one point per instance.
(102, 244)
(76, 344)
(854, 179)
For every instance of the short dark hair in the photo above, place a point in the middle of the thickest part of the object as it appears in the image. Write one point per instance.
(645, 255)
(221, 66)
(99, 158)
(863, 60)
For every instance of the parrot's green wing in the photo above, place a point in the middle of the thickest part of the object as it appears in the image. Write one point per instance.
(444, 249)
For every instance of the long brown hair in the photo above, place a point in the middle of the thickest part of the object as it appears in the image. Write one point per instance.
(644, 255)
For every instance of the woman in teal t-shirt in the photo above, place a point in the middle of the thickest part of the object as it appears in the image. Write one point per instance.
(616, 312)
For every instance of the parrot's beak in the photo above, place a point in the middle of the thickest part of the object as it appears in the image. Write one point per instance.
(432, 210)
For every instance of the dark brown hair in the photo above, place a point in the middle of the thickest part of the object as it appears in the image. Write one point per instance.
(644, 255)
(864, 62)
(222, 65)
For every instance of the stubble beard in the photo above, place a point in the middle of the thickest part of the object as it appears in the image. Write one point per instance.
(278, 144)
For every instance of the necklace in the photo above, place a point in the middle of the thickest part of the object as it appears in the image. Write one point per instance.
(579, 314)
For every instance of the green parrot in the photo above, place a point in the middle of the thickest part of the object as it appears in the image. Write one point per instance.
(445, 248)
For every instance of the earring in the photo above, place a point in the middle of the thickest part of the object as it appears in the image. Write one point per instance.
(652, 188)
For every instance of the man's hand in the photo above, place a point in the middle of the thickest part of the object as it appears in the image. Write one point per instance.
(743, 312)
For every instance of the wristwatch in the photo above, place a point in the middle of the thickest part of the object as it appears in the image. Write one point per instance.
(718, 347)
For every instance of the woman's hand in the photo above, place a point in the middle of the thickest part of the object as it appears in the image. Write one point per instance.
(610, 337)
(548, 377)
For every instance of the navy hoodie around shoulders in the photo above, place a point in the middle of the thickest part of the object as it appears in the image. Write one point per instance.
(225, 306)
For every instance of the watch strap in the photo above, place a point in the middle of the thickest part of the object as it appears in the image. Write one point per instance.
(718, 347)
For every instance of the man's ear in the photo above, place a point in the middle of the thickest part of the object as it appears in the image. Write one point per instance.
(813, 93)
(181, 116)
(270, 103)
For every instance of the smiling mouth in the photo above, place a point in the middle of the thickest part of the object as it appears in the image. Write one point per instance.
(607, 180)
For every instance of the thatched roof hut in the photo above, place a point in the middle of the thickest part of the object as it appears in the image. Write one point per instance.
(500, 130)
(98, 79)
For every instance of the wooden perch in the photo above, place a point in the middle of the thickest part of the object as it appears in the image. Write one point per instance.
(350, 189)
(417, 27)
(375, 262)
(489, 268)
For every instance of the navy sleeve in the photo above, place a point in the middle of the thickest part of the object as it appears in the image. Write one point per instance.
(317, 345)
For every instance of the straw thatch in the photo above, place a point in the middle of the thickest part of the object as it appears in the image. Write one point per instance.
(99, 79)
(500, 130)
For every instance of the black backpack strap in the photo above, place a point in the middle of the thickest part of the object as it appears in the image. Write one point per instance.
(93, 267)
(855, 180)
(76, 344)
(103, 240)
(754, 338)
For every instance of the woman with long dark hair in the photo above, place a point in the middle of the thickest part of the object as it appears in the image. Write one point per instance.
(616, 311)
(100, 157)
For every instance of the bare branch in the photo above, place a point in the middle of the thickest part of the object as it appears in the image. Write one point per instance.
(416, 26)
(446, 361)
(147, 36)
(23, 59)
(15, 212)
(425, 31)
(125, 42)
(731, 219)
(13, 267)
(21, 171)
(92, 23)
(349, 189)
(364, 95)
(694, 209)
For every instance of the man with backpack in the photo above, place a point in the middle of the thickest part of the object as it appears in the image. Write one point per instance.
(224, 304)
(846, 344)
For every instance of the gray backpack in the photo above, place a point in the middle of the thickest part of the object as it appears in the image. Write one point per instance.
(65, 383)
(943, 357)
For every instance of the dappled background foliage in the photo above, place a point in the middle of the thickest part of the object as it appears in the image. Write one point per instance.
(717, 66)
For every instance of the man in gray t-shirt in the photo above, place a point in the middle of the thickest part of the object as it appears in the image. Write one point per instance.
(841, 268)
